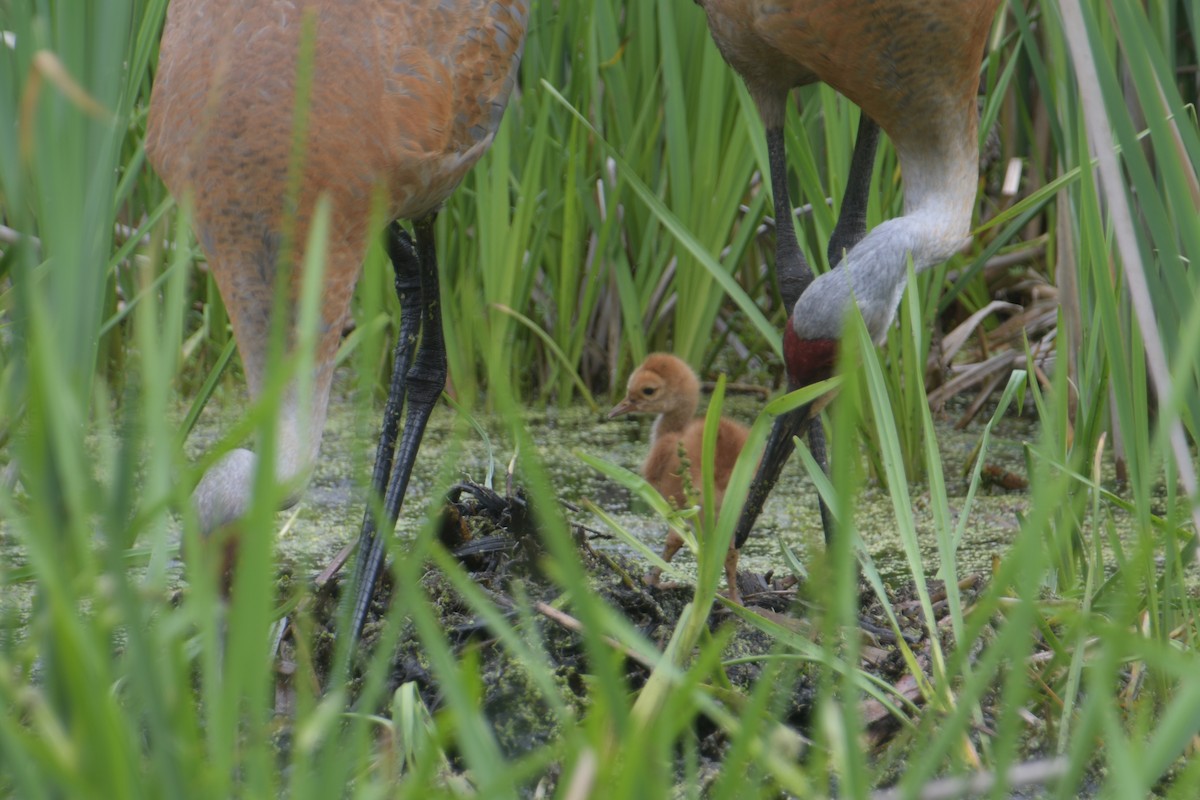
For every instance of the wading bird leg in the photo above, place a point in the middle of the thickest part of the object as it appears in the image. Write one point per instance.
(793, 272)
(851, 227)
(407, 269)
(672, 546)
(731, 564)
(423, 384)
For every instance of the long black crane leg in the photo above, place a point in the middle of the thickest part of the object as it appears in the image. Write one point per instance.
(407, 269)
(792, 270)
(851, 227)
(794, 275)
(423, 384)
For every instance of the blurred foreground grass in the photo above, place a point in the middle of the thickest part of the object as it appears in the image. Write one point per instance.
(1081, 647)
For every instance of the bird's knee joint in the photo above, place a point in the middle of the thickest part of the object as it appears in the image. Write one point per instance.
(425, 385)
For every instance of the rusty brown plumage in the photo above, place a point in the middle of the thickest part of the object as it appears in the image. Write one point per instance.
(901, 61)
(912, 67)
(404, 97)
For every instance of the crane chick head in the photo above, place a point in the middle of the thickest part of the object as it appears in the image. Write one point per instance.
(663, 384)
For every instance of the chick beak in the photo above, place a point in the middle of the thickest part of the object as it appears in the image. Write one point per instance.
(623, 407)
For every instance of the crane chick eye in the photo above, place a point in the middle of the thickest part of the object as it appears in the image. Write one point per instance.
(649, 390)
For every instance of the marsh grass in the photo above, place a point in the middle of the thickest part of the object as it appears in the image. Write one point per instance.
(618, 212)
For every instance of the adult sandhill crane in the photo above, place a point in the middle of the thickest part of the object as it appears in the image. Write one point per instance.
(402, 98)
(912, 67)
(666, 386)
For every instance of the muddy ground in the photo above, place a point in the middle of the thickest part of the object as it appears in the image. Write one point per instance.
(494, 539)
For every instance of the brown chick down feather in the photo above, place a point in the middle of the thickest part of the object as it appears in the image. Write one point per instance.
(666, 386)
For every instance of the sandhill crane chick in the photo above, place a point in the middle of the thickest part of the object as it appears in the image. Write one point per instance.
(666, 386)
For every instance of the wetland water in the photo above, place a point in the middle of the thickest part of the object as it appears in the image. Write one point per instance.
(331, 510)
